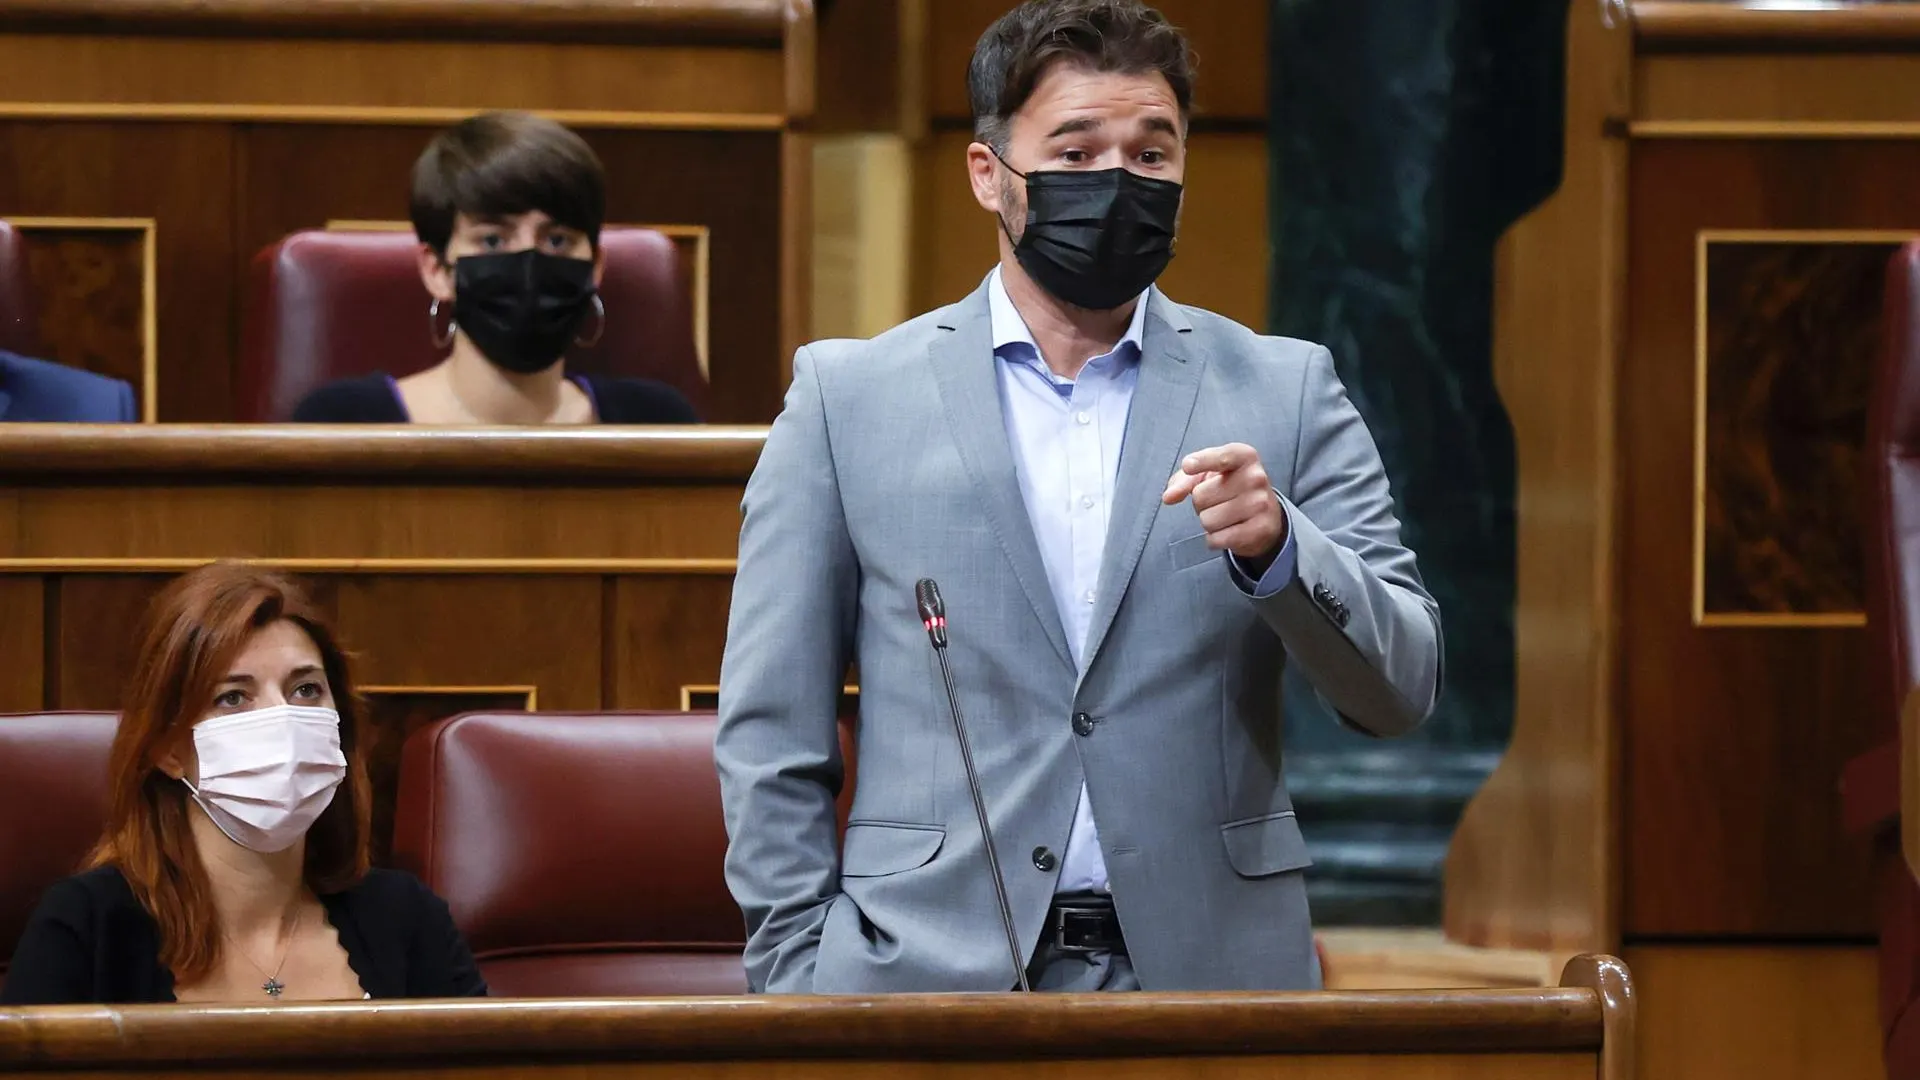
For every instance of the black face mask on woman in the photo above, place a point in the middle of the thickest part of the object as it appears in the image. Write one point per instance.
(1096, 239)
(521, 308)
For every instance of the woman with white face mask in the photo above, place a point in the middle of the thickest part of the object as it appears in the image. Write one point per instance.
(234, 863)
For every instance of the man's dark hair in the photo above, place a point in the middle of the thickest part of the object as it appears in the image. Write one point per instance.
(502, 163)
(1124, 36)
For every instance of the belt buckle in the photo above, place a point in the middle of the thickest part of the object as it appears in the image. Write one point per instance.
(1081, 924)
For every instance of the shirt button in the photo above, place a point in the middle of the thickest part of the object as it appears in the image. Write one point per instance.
(1086, 501)
(1082, 724)
(1087, 596)
(1044, 861)
(1083, 417)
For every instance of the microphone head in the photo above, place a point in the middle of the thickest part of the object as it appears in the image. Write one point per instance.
(933, 611)
(927, 595)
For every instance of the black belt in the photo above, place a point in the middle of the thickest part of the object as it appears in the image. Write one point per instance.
(1084, 924)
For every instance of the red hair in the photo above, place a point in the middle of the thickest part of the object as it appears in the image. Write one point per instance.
(194, 631)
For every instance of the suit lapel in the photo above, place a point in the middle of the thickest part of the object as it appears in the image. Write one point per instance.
(1170, 370)
(965, 369)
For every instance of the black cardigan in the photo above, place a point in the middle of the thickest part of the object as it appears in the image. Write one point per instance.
(91, 943)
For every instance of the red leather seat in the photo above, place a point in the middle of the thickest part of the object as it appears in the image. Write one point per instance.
(1892, 541)
(53, 801)
(581, 853)
(325, 305)
(17, 324)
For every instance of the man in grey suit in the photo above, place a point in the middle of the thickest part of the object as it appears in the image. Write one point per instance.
(1139, 513)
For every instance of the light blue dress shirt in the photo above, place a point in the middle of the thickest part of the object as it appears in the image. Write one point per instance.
(1065, 435)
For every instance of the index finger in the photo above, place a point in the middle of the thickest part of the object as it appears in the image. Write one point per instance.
(1218, 459)
(1181, 485)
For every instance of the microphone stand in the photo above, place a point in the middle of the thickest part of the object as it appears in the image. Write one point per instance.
(933, 613)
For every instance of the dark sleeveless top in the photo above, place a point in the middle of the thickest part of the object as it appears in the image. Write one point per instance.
(375, 399)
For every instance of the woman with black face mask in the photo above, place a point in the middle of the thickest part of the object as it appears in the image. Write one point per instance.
(508, 209)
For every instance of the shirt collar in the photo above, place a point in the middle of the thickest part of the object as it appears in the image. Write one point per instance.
(1010, 329)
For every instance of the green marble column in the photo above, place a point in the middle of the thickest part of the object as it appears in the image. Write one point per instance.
(1406, 136)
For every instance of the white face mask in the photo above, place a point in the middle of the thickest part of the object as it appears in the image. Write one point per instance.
(266, 775)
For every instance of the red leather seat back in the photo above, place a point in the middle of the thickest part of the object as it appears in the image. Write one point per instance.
(17, 325)
(1893, 493)
(1892, 542)
(53, 804)
(325, 305)
(581, 853)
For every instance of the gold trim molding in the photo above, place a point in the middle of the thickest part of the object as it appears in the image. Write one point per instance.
(149, 291)
(1823, 620)
(117, 565)
(408, 115)
(529, 694)
(687, 692)
(701, 236)
(1698, 602)
(1774, 129)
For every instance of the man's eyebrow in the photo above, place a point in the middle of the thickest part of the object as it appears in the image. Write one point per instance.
(1073, 127)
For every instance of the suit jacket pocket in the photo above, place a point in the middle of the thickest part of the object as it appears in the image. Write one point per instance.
(1266, 845)
(879, 848)
(1191, 551)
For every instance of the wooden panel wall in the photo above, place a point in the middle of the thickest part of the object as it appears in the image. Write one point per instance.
(205, 135)
(480, 568)
(1739, 727)
(1224, 256)
(87, 175)
(91, 285)
(1229, 39)
(1731, 1013)
(22, 642)
(1691, 678)
(218, 194)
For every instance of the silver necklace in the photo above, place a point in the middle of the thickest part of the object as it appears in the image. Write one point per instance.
(273, 986)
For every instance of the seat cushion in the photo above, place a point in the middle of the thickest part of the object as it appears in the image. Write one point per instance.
(582, 854)
(53, 774)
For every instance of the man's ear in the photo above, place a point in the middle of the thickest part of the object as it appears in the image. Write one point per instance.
(983, 172)
(435, 274)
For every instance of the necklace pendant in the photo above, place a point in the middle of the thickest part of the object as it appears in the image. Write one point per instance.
(273, 987)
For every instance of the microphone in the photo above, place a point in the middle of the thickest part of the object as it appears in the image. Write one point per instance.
(933, 615)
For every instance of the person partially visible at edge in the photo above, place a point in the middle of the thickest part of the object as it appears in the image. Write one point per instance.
(1139, 513)
(508, 209)
(41, 391)
(234, 865)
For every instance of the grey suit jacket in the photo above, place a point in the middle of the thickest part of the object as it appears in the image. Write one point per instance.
(890, 463)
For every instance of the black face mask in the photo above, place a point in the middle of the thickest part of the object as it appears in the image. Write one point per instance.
(1096, 239)
(521, 308)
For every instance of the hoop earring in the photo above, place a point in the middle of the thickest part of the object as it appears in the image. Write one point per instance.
(440, 341)
(600, 331)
